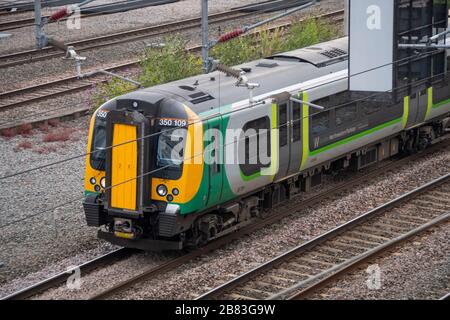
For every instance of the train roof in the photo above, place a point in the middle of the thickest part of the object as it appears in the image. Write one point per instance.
(208, 92)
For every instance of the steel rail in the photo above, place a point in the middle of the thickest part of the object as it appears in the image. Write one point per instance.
(124, 36)
(23, 96)
(61, 277)
(311, 244)
(279, 213)
(28, 22)
(345, 268)
(445, 297)
(120, 37)
(276, 215)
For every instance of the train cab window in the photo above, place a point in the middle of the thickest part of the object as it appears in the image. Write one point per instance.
(282, 125)
(320, 122)
(260, 128)
(171, 147)
(297, 121)
(346, 114)
(170, 152)
(98, 151)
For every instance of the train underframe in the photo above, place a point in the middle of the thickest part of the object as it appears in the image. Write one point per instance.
(158, 230)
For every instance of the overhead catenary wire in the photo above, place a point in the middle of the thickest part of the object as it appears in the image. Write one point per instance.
(18, 120)
(231, 112)
(149, 172)
(116, 185)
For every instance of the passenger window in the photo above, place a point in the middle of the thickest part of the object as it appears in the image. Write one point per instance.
(297, 121)
(320, 122)
(260, 127)
(283, 130)
(345, 114)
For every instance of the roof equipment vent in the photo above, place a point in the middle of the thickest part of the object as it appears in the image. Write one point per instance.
(200, 97)
(333, 53)
(263, 64)
(188, 88)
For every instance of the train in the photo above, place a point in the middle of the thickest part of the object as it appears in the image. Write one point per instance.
(177, 165)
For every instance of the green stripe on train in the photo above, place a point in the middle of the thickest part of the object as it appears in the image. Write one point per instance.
(442, 103)
(356, 136)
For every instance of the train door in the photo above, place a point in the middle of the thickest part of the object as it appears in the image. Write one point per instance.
(214, 160)
(295, 141)
(418, 103)
(284, 134)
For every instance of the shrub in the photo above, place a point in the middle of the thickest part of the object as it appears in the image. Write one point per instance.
(173, 62)
(45, 150)
(24, 129)
(53, 122)
(169, 63)
(8, 133)
(23, 145)
(236, 51)
(158, 65)
(111, 89)
(44, 127)
(62, 134)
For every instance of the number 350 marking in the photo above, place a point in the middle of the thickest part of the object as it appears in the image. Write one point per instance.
(172, 122)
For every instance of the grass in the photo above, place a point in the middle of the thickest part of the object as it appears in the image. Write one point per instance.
(173, 62)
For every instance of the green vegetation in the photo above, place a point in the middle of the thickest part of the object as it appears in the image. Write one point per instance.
(173, 62)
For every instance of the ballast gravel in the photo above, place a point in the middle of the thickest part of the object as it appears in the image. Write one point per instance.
(208, 271)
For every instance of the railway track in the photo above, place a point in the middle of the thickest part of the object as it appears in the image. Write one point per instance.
(28, 56)
(23, 96)
(445, 297)
(294, 205)
(14, 24)
(28, 22)
(305, 269)
(275, 215)
(63, 276)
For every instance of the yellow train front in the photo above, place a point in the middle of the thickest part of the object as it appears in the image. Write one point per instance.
(136, 175)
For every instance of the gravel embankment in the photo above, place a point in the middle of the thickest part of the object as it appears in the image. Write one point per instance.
(196, 277)
(418, 269)
(33, 244)
(44, 71)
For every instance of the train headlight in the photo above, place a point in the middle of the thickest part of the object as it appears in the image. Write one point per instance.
(103, 182)
(92, 180)
(161, 190)
(175, 191)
